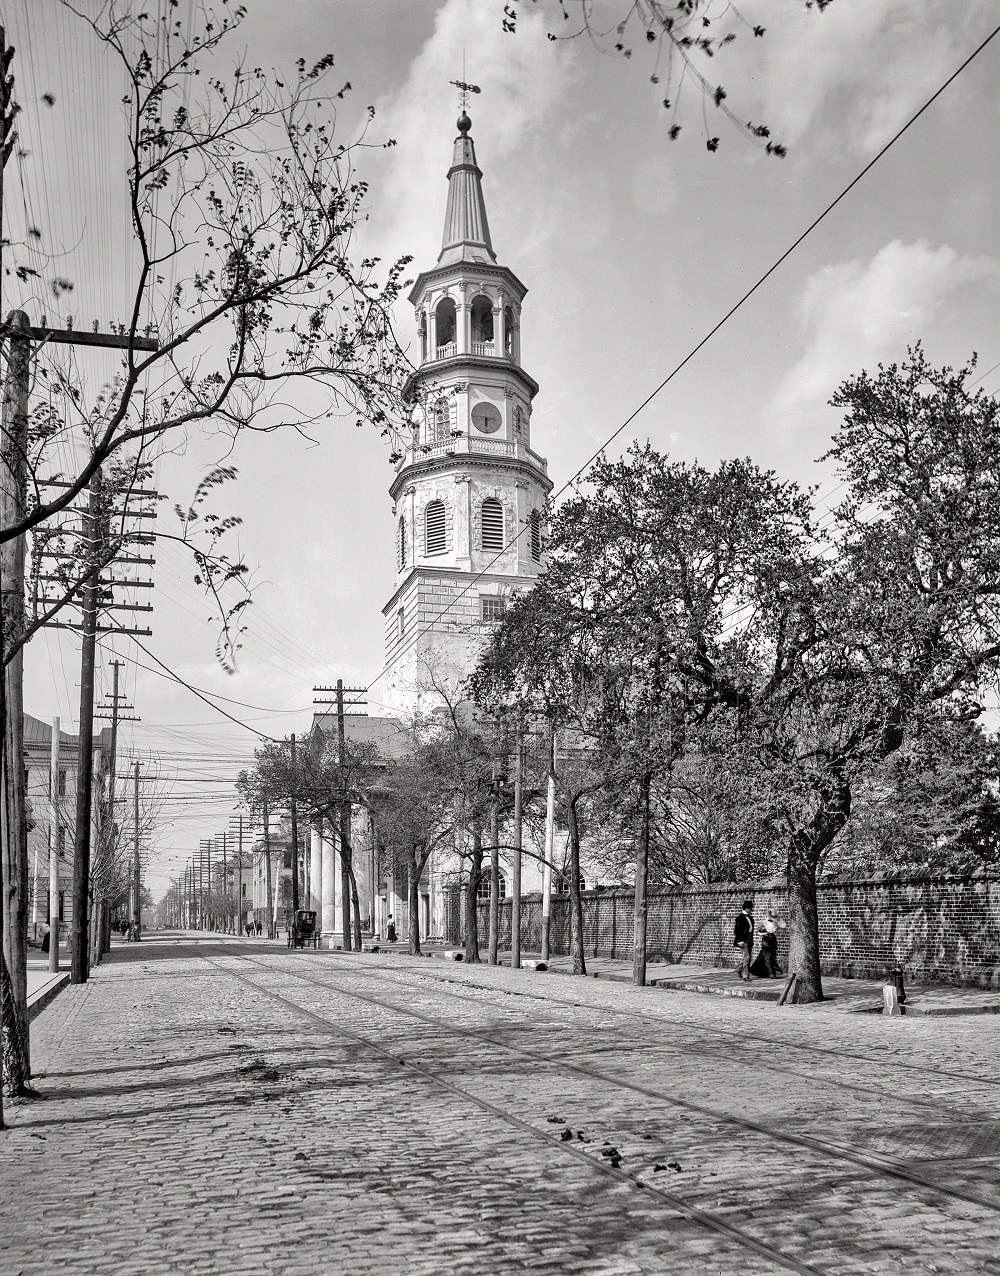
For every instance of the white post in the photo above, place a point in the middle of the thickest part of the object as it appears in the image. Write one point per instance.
(54, 826)
(328, 902)
(316, 874)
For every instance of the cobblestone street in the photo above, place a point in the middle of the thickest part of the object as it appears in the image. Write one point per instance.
(224, 1106)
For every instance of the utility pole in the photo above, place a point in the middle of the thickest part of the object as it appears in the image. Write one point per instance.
(108, 838)
(85, 760)
(239, 875)
(108, 833)
(14, 831)
(295, 838)
(344, 814)
(7, 139)
(515, 902)
(225, 885)
(136, 866)
(55, 834)
(204, 851)
(550, 826)
(272, 903)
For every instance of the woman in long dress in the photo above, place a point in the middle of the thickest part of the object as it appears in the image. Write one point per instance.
(765, 964)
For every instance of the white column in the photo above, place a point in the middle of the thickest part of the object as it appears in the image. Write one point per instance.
(329, 898)
(315, 868)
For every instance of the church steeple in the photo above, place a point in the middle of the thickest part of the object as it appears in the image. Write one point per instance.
(469, 490)
(466, 230)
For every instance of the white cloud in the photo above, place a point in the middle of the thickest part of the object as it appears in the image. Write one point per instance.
(857, 313)
(858, 70)
(521, 81)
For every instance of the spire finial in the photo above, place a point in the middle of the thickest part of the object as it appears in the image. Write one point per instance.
(464, 90)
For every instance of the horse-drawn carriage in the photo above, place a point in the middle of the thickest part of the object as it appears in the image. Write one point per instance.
(302, 929)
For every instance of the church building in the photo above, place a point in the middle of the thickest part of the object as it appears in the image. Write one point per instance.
(469, 490)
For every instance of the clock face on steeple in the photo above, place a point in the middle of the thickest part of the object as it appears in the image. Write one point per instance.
(486, 418)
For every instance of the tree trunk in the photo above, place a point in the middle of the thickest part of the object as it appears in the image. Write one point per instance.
(494, 883)
(803, 926)
(355, 901)
(13, 1056)
(641, 871)
(346, 873)
(471, 899)
(575, 902)
(413, 898)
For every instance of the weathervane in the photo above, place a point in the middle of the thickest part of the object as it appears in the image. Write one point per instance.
(465, 89)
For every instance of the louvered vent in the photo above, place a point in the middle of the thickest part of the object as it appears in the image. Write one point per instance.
(434, 528)
(492, 525)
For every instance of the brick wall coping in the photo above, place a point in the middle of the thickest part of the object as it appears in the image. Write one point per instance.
(902, 877)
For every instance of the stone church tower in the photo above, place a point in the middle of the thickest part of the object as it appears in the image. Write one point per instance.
(468, 491)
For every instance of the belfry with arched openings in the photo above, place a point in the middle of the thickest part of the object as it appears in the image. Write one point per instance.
(469, 489)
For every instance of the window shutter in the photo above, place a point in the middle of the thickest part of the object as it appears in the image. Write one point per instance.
(434, 530)
(536, 535)
(492, 535)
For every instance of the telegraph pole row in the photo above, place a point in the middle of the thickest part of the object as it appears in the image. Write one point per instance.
(344, 812)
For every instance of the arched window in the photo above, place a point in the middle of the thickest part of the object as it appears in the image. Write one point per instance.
(434, 530)
(444, 316)
(401, 622)
(483, 889)
(508, 330)
(401, 545)
(535, 535)
(482, 325)
(492, 529)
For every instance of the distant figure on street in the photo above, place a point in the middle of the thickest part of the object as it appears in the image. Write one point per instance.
(390, 931)
(258, 929)
(46, 941)
(248, 929)
(743, 937)
(766, 962)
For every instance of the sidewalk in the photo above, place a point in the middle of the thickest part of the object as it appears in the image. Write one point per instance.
(852, 996)
(44, 984)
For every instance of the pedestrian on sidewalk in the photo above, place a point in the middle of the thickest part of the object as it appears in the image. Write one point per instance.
(390, 931)
(743, 938)
(766, 962)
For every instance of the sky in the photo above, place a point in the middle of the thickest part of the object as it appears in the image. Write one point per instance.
(633, 246)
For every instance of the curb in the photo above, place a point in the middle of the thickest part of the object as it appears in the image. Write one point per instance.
(48, 992)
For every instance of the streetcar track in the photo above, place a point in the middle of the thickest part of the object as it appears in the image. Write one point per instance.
(711, 1053)
(741, 1035)
(877, 1163)
(693, 1213)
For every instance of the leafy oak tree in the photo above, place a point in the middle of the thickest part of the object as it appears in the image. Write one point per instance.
(804, 658)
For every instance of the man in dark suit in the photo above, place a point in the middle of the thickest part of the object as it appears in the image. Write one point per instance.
(743, 938)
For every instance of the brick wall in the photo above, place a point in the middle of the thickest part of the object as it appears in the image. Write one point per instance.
(937, 928)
